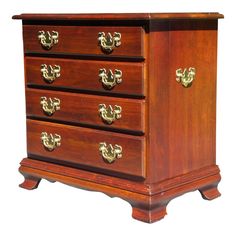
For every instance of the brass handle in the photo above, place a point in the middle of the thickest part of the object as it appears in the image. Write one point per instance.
(110, 80)
(185, 77)
(50, 105)
(50, 141)
(47, 39)
(108, 114)
(109, 42)
(110, 153)
(50, 73)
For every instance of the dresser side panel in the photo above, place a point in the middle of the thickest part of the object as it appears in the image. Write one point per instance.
(192, 111)
(182, 120)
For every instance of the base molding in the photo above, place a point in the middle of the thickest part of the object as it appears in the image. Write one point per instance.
(148, 201)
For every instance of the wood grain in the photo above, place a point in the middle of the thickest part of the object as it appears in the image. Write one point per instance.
(147, 207)
(81, 146)
(112, 181)
(82, 75)
(119, 16)
(172, 147)
(84, 109)
(181, 129)
(84, 40)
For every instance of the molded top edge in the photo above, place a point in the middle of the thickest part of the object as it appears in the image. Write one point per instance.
(120, 16)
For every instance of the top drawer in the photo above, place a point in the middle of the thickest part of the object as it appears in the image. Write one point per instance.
(91, 40)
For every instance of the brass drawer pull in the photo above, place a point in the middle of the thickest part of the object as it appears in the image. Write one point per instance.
(50, 141)
(109, 42)
(110, 80)
(50, 105)
(110, 153)
(50, 73)
(47, 39)
(108, 114)
(185, 77)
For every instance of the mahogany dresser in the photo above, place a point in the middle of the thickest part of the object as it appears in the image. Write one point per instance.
(124, 104)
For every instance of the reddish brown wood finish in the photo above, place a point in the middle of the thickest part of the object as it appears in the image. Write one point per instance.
(147, 206)
(119, 16)
(120, 183)
(182, 127)
(84, 109)
(210, 192)
(83, 75)
(84, 40)
(176, 153)
(30, 182)
(81, 146)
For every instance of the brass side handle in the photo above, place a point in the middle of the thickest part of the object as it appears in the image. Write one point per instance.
(110, 79)
(110, 153)
(50, 141)
(50, 73)
(108, 114)
(109, 42)
(50, 105)
(186, 76)
(47, 39)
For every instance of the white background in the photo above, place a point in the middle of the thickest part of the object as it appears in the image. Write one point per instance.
(57, 209)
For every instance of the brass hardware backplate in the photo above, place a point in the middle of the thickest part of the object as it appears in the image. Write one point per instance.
(50, 141)
(110, 153)
(108, 114)
(108, 79)
(186, 76)
(50, 105)
(109, 42)
(47, 39)
(50, 73)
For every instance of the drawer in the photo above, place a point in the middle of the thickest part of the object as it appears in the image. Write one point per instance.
(90, 40)
(93, 149)
(102, 76)
(103, 111)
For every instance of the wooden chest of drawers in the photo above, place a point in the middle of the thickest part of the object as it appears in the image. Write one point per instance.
(124, 104)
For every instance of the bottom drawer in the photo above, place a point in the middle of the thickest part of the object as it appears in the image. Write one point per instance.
(91, 149)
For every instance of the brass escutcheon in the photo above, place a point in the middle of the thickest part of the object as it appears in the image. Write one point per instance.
(50, 141)
(47, 39)
(50, 105)
(109, 42)
(108, 79)
(108, 114)
(185, 77)
(50, 73)
(110, 153)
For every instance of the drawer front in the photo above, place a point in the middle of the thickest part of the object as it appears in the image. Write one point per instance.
(119, 113)
(111, 77)
(122, 41)
(101, 150)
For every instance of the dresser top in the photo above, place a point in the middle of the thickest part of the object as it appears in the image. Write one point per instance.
(120, 16)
